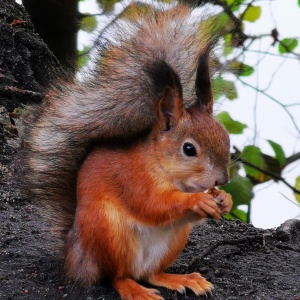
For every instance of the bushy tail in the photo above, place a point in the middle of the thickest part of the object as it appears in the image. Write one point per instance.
(117, 102)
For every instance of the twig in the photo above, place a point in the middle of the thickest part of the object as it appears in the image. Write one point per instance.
(289, 199)
(266, 172)
(256, 98)
(237, 22)
(273, 99)
(14, 90)
(287, 247)
(291, 159)
(274, 74)
(237, 241)
(272, 54)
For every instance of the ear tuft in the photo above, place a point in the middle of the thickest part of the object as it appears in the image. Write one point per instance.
(203, 83)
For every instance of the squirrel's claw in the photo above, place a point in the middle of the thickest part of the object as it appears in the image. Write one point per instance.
(223, 199)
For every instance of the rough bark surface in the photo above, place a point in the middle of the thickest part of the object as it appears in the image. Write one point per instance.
(26, 63)
(241, 261)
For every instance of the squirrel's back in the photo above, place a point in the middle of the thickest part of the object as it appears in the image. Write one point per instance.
(118, 101)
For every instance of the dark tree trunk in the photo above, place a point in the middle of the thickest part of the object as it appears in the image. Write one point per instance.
(57, 24)
(26, 63)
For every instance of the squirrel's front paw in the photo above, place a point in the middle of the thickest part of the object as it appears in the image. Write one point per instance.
(223, 200)
(205, 206)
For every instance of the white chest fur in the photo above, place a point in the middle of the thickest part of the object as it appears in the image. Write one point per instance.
(153, 246)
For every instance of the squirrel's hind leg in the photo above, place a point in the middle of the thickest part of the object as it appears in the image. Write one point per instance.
(131, 290)
(194, 281)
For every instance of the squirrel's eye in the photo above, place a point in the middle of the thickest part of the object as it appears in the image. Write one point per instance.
(189, 149)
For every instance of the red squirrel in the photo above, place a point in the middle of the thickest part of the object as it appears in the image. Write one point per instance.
(122, 160)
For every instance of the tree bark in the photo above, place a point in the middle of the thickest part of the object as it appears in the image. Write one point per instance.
(57, 23)
(26, 63)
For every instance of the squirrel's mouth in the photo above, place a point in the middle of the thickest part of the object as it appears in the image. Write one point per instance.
(190, 187)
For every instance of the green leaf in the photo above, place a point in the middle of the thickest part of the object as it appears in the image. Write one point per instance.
(247, 70)
(279, 153)
(227, 44)
(230, 2)
(107, 5)
(297, 186)
(232, 126)
(252, 13)
(241, 190)
(82, 61)
(287, 45)
(234, 4)
(252, 155)
(236, 214)
(216, 25)
(88, 24)
(298, 2)
(240, 68)
(224, 87)
(83, 58)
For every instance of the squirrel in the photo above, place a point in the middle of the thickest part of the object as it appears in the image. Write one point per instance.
(126, 161)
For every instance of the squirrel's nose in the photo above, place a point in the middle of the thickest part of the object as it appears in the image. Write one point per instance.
(222, 177)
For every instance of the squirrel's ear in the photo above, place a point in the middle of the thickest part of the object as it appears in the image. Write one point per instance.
(170, 108)
(203, 83)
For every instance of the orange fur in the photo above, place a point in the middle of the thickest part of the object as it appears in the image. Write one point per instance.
(133, 218)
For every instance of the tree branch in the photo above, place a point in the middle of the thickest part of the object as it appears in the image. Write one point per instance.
(237, 157)
(273, 99)
(291, 159)
(17, 91)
